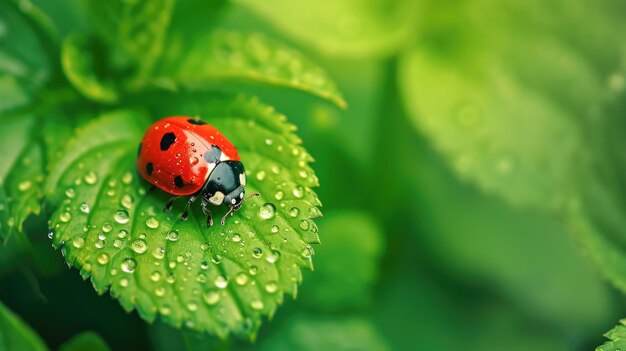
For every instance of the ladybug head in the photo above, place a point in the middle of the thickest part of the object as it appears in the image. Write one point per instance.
(226, 183)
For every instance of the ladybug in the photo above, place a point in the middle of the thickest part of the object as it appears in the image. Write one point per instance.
(185, 156)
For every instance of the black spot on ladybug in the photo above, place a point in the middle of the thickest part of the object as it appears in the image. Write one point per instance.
(196, 121)
(139, 150)
(178, 181)
(149, 168)
(167, 140)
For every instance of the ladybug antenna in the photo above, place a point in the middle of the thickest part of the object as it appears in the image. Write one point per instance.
(250, 197)
(232, 209)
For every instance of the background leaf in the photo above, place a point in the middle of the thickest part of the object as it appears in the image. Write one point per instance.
(496, 116)
(347, 262)
(85, 341)
(21, 173)
(352, 28)
(15, 334)
(219, 279)
(616, 338)
(246, 57)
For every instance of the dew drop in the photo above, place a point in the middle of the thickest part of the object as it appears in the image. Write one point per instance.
(103, 258)
(99, 244)
(260, 175)
(90, 178)
(211, 297)
(84, 208)
(273, 257)
(25, 185)
(307, 252)
(165, 310)
(155, 276)
(294, 212)
(158, 253)
(236, 238)
(127, 201)
(204, 265)
(118, 243)
(139, 246)
(129, 265)
(267, 211)
(123, 282)
(275, 229)
(241, 278)
(279, 195)
(253, 270)
(192, 306)
(304, 224)
(152, 222)
(70, 193)
(298, 192)
(159, 291)
(271, 287)
(303, 174)
(107, 227)
(121, 216)
(127, 178)
(193, 161)
(122, 234)
(275, 169)
(78, 242)
(172, 235)
(65, 217)
(221, 281)
(257, 305)
(257, 252)
(201, 278)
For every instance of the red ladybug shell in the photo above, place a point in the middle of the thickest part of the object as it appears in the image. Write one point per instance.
(171, 154)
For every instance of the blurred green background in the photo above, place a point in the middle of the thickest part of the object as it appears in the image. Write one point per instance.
(473, 191)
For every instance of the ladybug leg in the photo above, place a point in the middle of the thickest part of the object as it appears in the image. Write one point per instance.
(183, 216)
(207, 212)
(168, 205)
(230, 212)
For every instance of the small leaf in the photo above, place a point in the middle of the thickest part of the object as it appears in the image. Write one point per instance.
(21, 173)
(84, 61)
(249, 58)
(138, 28)
(17, 335)
(348, 262)
(352, 28)
(85, 341)
(313, 333)
(617, 338)
(220, 279)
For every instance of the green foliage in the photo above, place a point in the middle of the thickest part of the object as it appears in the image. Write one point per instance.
(15, 334)
(496, 117)
(245, 57)
(352, 28)
(617, 338)
(347, 262)
(304, 333)
(219, 279)
(85, 341)
(21, 173)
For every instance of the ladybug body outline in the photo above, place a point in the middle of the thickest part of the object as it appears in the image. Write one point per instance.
(185, 156)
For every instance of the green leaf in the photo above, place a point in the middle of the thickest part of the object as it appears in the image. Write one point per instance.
(533, 119)
(243, 57)
(348, 262)
(617, 338)
(310, 333)
(220, 279)
(350, 28)
(85, 341)
(17, 335)
(24, 65)
(84, 62)
(21, 172)
(138, 28)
